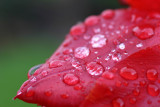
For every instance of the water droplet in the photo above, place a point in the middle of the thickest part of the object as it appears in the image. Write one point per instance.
(44, 73)
(94, 68)
(33, 79)
(68, 51)
(81, 52)
(64, 96)
(92, 20)
(116, 57)
(97, 30)
(33, 70)
(70, 79)
(109, 91)
(118, 103)
(86, 37)
(108, 75)
(30, 92)
(143, 33)
(136, 91)
(56, 63)
(108, 14)
(153, 90)
(139, 45)
(121, 46)
(78, 29)
(118, 83)
(142, 83)
(152, 74)
(132, 100)
(76, 65)
(78, 87)
(48, 92)
(98, 41)
(128, 73)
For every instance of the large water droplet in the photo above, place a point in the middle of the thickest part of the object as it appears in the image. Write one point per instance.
(81, 52)
(143, 33)
(152, 74)
(33, 70)
(153, 90)
(108, 14)
(98, 41)
(92, 20)
(118, 103)
(78, 29)
(94, 68)
(128, 73)
(70, 79)
(56, 63)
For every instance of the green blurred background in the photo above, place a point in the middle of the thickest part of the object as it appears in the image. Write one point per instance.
(30, 31)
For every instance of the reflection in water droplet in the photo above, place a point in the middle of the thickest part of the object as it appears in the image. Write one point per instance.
(81, 52)
(98, 41)
(33, 69)
(94, 68)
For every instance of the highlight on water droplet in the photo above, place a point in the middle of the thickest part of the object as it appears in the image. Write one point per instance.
(33, 70)
(118, 102)
(70, 79)
(93, 68)
(98, 41)
(128, 73)
(153, 90)
(152, 74)
(121, 46)
(81, 52)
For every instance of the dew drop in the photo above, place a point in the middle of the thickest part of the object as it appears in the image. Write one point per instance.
(144, 33)
(136, 91)
(152, 74)
(78, 29)
(30, 92)
(94, 68)
(153, 90)
(70, 79)
(116, 57)
(118, 103)
(92, 20)
(118, 83)
(139, 45)
(48, 92)
(81, 52)
(108, 14)
(56, 63)
(98, 41)
(78, 87)
(121, 46)
(64, 96)
(128, 73)
(142, 83)
(67, 51)
(44, 73)
(33, 70)
(33, 79)
(132, 100)
(76, 65)
(108, 75)
(109, 91)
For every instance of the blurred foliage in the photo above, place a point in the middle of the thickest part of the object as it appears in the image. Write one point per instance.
(30, 31)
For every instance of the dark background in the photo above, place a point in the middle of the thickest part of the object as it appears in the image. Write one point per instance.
(30, 31)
